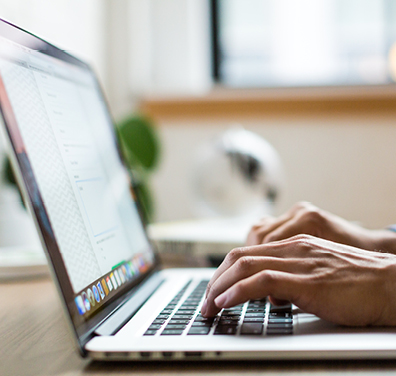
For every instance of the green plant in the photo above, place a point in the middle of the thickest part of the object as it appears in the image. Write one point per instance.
(141, 148)
(9, 178)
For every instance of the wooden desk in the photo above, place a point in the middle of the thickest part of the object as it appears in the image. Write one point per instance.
(34, 340)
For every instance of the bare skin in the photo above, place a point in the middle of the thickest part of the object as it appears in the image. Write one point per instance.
(305, 218)
(340, 283)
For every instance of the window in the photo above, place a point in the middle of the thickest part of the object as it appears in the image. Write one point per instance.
(284, 43)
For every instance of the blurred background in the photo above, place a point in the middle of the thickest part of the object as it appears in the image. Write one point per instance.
(315, 78)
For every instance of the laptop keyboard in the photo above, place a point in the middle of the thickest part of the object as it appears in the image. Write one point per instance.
(256, 317)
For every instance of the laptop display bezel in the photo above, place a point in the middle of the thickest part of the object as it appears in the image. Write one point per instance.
(83, 329)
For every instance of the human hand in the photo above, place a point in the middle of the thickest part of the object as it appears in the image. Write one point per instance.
(305, 218)
(338, 283)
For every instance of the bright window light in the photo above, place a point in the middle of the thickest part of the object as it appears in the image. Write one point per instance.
(272, 43)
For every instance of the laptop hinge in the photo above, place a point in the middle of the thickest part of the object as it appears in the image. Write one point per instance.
(114, 322)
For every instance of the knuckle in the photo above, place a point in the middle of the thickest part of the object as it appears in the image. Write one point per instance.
(313, 217)
(304, 242)
(256, 227)
(266, 276)
(212, 290)
(234, 255)
(209, 288)
(244, 263)
(270, 238)
(302, 238)
(253, 236)
(260, 226)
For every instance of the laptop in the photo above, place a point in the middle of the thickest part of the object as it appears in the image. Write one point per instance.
(118, 301)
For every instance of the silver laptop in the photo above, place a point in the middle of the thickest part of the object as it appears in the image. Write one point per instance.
(119, 303)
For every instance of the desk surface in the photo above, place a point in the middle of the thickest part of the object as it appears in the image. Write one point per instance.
(34, 340)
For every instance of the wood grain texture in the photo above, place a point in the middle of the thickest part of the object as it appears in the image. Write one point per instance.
(226, 103)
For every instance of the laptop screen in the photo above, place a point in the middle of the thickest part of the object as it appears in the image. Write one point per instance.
(65, 146)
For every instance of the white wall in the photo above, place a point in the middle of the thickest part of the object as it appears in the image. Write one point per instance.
(343, 164)
(169, 47)
(74, 25)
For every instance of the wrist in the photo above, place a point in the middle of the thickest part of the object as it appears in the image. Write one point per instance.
(388, 317)
(384, 240)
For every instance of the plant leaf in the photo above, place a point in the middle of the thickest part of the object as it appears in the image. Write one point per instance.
(140, 141)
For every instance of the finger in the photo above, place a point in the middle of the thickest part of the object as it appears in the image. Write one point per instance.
(260, 231)
(234, 255)
(294, 226)
(254, 236)
(269, 224)
(290, 248)
(277, 302)
(279, 285)
(246, 267)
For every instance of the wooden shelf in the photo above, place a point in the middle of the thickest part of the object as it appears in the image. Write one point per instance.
(275, 102)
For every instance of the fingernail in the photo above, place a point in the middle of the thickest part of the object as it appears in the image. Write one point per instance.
(221, 300)
(204, 307)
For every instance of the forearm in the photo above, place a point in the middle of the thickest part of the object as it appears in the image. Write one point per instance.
(342, 231)
(305, 218)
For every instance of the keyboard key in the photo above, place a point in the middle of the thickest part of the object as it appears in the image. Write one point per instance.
(159, 321)
(172, 321)
(252, 328)
(172, 332)
(274, 315)
(228, 322)
(161, 316)
(201, 324)
(237, 314)
(228, 329)
(277, 331)
(232, 310)
(198, 331)
(154, 327)
(280, 321)
(175, 327)
(188, 307)
(280, 326)
(150, 332)
(204, 319)
(181, 317)
(253, 319)
(185, 311)
(232, 318)
(254, 310)
(235, 308)
(255, 314)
